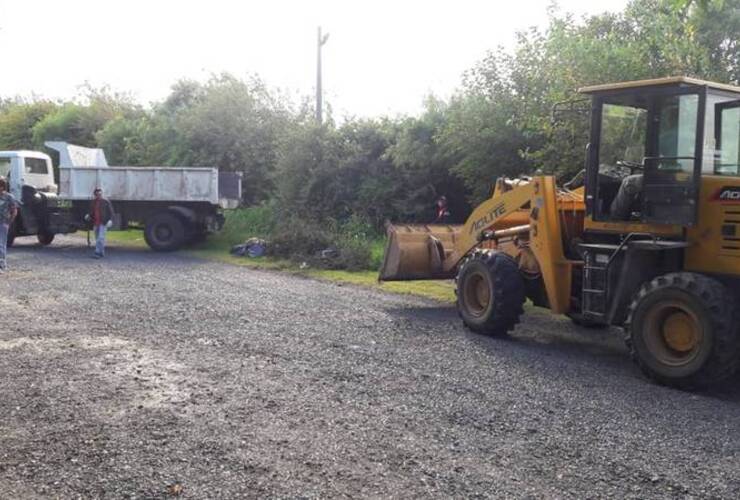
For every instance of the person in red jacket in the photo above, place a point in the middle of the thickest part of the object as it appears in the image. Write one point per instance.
(101, 216)
(441, 211)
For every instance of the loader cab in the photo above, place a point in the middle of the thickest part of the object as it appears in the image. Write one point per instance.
(650, 143)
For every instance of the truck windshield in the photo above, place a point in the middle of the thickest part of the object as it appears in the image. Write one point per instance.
(727, 138)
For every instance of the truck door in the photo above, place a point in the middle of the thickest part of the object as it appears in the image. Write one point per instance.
(672, 166)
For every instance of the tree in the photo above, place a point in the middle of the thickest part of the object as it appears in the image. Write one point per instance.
(17, 120)
(232, 125)
(79, 122)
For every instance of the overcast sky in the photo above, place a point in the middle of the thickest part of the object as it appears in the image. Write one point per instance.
(382, 56)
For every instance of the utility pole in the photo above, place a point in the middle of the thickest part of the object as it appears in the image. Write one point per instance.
(320, 41)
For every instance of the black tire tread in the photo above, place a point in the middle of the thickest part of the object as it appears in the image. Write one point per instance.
(509, 292)
(179, 229)
(724, 359)
(45, 238)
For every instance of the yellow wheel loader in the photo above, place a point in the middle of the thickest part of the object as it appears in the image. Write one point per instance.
(649, 242)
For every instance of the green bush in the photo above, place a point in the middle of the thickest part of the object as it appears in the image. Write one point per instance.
(299, 239)
(356, 243)
(354, 240)
(244, 223)
(350, 244)
(354, 254)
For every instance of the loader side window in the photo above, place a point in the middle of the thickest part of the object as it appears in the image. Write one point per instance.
(624, 125)
(670, 184)
(727, 139)
(677, 123)
(623, 132)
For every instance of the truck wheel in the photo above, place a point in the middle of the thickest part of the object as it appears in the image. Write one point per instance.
(164, 232)
(682, 331)
(490, 292)
(45, 238)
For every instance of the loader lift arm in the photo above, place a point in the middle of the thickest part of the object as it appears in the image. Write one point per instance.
(529, 210)
(422, 252)
(485, 216)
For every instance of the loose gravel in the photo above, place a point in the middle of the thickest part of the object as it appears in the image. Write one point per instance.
(158, 375)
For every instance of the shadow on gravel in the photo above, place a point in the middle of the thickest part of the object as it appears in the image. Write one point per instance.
(441, 315)
(537, 329)
(546, 335)
(729, 391)
(69, 247)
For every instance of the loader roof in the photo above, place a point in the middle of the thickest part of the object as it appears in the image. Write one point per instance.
(677, 81)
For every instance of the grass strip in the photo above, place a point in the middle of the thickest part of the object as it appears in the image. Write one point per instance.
(443, 291)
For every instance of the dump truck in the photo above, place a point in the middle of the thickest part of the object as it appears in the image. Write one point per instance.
(174, 205)
(648, 242)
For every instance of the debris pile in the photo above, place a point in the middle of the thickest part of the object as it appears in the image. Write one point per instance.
(253, 247)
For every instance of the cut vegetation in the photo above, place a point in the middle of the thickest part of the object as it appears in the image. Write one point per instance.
(242, 224)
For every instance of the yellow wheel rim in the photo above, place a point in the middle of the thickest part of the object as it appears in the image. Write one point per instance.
(680, 332)
(673, 333)
(477, 293)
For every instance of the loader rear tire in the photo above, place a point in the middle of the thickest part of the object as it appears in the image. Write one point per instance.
(490, 292)
(682, 331)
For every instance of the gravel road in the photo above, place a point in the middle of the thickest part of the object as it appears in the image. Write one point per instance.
(158, 375)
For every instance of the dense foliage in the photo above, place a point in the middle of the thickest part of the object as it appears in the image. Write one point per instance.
(500, 121)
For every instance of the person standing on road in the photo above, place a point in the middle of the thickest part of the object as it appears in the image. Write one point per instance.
(101, 215)
(8, 211)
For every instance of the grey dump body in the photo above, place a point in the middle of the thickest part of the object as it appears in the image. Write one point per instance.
(174, 205)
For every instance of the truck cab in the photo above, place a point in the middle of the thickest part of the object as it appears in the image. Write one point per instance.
(30, 177)
(27, 168)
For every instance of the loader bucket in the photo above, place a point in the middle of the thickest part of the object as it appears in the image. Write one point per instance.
(416, 252)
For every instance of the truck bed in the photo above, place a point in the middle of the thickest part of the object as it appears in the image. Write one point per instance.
(164, 184)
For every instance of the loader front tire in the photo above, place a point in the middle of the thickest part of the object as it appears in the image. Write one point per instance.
(682, 331)
(490, 292)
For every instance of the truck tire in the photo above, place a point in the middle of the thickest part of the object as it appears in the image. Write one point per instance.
(45, 238)
(682, 331)
(164, 232)
(490, 292)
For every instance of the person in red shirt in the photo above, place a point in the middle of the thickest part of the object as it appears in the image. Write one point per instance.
(441, 211)
(101, 216)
